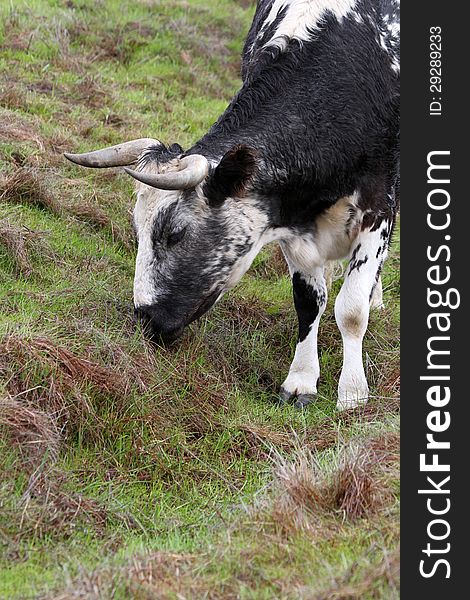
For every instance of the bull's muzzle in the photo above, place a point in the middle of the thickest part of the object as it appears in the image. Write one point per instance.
(157, 325)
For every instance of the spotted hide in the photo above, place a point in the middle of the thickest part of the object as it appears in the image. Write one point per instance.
(305, 155)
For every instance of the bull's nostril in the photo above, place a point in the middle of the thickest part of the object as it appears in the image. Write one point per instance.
(156, 325)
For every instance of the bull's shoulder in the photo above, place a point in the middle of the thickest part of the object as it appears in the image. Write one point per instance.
(277, 23)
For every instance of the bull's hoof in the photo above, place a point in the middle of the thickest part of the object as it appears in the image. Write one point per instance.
(303, 400)
(299, 400)
(284, 396)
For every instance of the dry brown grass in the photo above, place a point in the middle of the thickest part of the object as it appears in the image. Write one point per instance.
(28, 186)
(118, 45)
(204, 43)
(45, 511)
(91, 213)
(94, 215)
(161, 575)
(44, 508)
(353, 483)
(262, 438)
(246, 3)
(57, 143)
(54, 379)
(90, 92)
(360, 486)
(13, 98)
(15, 129)
(391, 385)
(20, 243)
(15, 39)
(168, 575)
(188, 396)
(33, 432)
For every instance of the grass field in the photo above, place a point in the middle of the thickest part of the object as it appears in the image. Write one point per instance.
(133, 472)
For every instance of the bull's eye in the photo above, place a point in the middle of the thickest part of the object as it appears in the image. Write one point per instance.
(175, 237)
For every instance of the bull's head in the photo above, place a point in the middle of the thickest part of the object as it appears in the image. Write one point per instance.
(198, 228)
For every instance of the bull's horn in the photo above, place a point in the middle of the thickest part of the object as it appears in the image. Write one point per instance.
(192, 170)
(113, 156)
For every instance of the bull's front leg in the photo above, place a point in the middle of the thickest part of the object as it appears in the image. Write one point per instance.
(310, 295)
(361, 288)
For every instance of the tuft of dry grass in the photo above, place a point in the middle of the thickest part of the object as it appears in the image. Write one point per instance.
(13, 98)
(392, 382)
(353, 482)
(46, 508)
(20, 242)
(246, 3)
(53, 378)
(32, 431)
(90, 92)
(72, 367)
(116, 45)
(95, 216)
(14, 129)
(26, 186)
(157, 575)
(91, 213)
(262, 438)
(360, 485)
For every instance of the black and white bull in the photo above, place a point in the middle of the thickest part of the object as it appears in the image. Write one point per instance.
(306, 154)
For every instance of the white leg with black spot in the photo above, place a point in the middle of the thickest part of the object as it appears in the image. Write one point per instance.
(352, 311)
(310, 295)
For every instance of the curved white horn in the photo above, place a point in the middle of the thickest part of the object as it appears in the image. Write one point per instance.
(192, 170)
(113, 156)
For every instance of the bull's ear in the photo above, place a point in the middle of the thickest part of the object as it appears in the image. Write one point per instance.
(232, 175)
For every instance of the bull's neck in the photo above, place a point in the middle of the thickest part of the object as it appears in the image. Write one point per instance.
(244, 123)
(216, 143)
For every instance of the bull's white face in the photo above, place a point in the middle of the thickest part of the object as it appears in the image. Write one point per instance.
(190, 251)
(198, 227)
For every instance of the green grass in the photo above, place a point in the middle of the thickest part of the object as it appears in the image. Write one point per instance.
(152, 473)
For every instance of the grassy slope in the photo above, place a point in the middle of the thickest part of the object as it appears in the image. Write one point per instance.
(149, 473)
